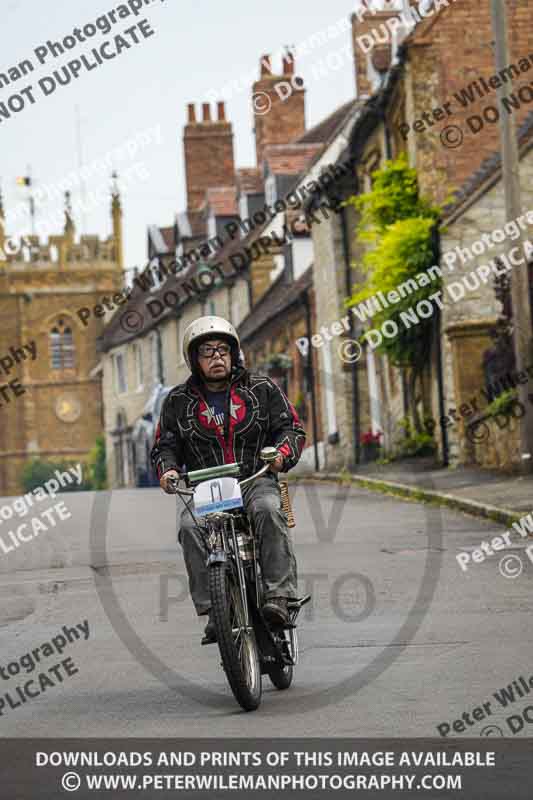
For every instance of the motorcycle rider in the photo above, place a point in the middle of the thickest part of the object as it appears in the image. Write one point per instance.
(224, 414)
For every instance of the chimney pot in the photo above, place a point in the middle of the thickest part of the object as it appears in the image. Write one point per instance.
(266, 65)
(288, 63)
(206, 112)
(192, 112)
(221, 112)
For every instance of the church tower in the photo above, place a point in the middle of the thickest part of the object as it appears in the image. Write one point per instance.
(51, 404)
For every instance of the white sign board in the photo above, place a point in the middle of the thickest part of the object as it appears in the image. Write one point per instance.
(217, 494)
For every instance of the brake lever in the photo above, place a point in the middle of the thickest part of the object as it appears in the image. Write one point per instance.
(174, 484)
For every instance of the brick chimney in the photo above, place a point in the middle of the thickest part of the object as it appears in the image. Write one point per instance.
(370, 35)
(279, 105)
(208, 148)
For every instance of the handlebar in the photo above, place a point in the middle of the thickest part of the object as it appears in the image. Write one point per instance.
(257, 475)
(174, 482)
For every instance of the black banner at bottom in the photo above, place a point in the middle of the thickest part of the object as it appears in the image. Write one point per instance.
(268, 768)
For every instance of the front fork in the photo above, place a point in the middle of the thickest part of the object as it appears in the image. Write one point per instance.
(218, 546)
(242, 579)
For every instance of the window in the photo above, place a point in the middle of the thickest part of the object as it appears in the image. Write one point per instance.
(138, 355)
(61, 346)
(121, 385)
(155, 359)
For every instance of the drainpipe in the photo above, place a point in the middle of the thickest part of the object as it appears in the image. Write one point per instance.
(160, 364)
(356, 421)
(440, 371)
(311, 378)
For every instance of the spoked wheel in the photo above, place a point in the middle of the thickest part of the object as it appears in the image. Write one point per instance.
(237, 645)
(281, 676)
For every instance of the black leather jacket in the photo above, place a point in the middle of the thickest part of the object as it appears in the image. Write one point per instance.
(257, 415)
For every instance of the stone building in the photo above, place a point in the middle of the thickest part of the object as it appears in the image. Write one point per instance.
(270, 335)
(53, 294)
(222, 270)
(472, 309)
(411, 86)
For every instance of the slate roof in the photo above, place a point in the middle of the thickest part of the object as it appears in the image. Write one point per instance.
(277, 299)
(325, 131)
(489, 167)
(191, 224)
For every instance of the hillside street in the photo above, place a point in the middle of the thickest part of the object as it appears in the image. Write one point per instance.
(396, 642)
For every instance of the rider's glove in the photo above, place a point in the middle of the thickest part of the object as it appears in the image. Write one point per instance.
(277, 465)
(165, 483)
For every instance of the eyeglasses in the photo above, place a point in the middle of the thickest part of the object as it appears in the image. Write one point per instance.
(208, 350)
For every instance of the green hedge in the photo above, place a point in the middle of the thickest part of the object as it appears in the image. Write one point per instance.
(94, 475)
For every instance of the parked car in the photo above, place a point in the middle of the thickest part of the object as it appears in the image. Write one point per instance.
(143, 436)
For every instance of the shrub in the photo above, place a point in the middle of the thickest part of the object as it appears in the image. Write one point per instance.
(97, 465)
(418, 444)
(38, 471)
(412, 444)
(502, 404)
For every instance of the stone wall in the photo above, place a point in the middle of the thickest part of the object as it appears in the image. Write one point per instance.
(330, 292)
(445, 57)
(466, 323)
(501, 447)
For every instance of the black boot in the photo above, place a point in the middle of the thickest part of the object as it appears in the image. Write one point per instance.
(275, 611)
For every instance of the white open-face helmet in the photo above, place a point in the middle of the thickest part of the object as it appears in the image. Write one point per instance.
(208, 328)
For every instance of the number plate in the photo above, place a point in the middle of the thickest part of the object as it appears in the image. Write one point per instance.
(217, 494)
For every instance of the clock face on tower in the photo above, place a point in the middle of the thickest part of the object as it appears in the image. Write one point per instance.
(68, 408)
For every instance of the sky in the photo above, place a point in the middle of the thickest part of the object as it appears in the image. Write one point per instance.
(129, 111)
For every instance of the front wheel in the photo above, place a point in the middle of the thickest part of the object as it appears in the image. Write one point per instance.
(237, 645)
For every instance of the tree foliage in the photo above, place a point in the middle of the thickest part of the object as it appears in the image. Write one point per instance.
(398, 224)
(97, 464)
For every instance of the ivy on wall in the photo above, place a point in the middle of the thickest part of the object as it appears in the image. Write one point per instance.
(398, 224)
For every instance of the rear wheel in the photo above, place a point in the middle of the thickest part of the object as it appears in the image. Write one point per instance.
(237, 645)
(280, 676)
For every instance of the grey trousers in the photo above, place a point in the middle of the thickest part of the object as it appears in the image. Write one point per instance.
(262, 501)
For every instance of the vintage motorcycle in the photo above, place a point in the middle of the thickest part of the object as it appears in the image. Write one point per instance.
(249, 646)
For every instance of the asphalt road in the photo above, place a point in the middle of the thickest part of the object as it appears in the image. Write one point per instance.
(397, 640)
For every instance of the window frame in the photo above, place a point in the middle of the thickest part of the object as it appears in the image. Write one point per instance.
(122, 356)
(139, 365)
(63, 351)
